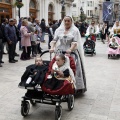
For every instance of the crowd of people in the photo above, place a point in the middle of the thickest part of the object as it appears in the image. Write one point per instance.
(31, 33)
(28, 34)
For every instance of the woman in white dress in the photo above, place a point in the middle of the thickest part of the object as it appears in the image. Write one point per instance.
(69, 39)
(116, 29)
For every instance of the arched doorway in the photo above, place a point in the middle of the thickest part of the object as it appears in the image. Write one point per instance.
(33, 10)
(5, 9)
(63, 12)
(50, 13)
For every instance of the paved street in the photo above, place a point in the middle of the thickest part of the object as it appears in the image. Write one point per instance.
(100, 102)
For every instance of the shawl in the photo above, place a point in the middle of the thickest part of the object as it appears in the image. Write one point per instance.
(63, 68)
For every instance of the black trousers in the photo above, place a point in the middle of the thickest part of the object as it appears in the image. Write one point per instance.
(1, 50)
(11, 52)
(103, 36)
(34, 49)
(50, 39)
(26, 53)
(39, 48)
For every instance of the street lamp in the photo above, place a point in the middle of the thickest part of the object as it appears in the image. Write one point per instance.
(19, 4)
(63, 9)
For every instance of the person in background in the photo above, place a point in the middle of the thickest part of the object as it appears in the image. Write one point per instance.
(104, 32)
(43, 27)
(17, 33)
(5, 22)
(10, 34)
(116, 29)
(59, 23)
(39, 30)
(54, 26)
(25, 41)
(1, 44)
(50, 33)
(19, 26)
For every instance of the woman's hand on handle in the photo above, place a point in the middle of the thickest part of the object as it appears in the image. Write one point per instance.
(51, 50)
(68, 51)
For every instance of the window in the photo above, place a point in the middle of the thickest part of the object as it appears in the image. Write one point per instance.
(32, 4)
(88, 3)
(91, 12)
(74, 5)
(5, 1)
(88, 13)
(50, 8)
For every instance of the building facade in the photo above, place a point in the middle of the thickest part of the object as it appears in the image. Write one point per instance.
(89, 7)
(47, 9)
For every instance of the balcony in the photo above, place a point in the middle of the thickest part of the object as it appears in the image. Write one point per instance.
(66, 1)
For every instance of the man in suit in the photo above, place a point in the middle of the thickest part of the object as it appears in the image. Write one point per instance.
(10, 34)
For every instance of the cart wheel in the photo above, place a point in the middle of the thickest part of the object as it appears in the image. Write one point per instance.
(58, 112)
(108, 56)
(71, 101)
(25, 107)
(33, 102)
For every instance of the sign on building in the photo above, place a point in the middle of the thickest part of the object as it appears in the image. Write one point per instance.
(108, 11)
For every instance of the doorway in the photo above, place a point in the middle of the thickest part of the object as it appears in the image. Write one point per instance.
(5, 11)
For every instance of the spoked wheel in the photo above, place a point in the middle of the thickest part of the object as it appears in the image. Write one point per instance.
(25, 107)
(33, 102)
(71, 101)
(58, 112)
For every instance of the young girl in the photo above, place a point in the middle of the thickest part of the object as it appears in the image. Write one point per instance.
(60, 71)
(113, 44)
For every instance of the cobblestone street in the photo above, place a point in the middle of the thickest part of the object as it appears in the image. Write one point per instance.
(100, 102)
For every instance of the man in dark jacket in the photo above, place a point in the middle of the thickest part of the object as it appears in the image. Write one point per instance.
(5, 22)
(17, 33)
(54, 26)
(1, 44)
(11, 36)
(43, 26)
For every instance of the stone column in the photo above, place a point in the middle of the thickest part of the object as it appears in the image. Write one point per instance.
(25, 9)
(45, 16)
(100, 14)
(40, 8)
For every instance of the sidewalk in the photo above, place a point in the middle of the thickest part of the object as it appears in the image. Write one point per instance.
(100, 102)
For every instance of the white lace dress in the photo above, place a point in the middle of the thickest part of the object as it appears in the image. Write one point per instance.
(64, 42)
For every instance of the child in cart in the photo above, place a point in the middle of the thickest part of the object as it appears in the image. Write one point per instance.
(114, 48)
(34, 74)
(89, 44)
(60, 71)
(113, 44)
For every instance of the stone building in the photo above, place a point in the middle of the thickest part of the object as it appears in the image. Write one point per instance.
(47, 9)
(88, 7)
